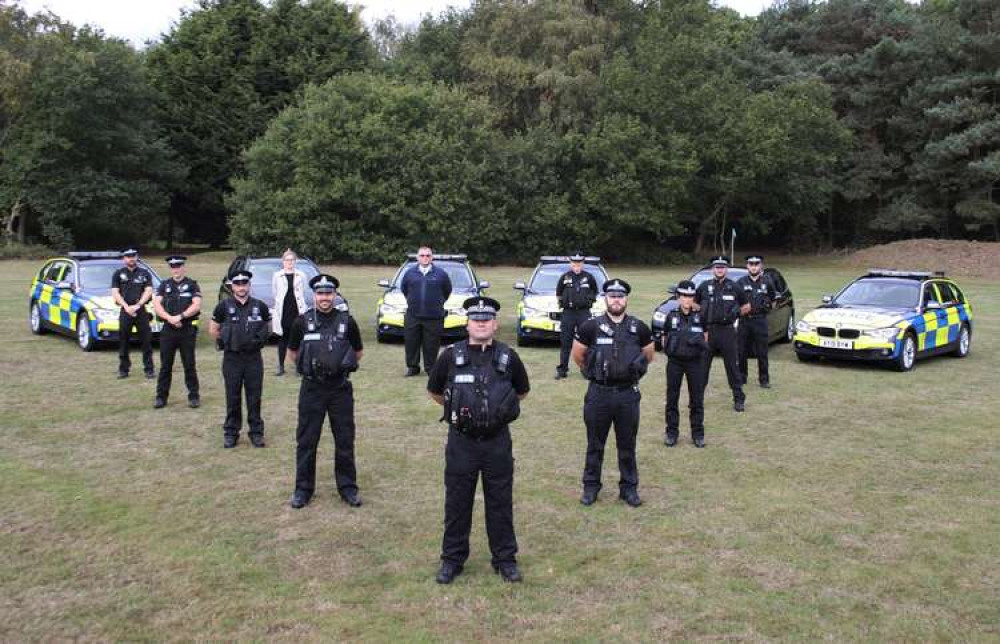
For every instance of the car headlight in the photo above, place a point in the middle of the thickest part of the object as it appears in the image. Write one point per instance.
(459, 312)
(106, 315)
(389, 309)
(884, 335)
(659, 316)
(530, 312)
(804, 327)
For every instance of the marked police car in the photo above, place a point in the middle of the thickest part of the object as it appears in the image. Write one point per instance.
(888, 316)
(72, 295)
(780, 319)
(391, 307)
(538, 311)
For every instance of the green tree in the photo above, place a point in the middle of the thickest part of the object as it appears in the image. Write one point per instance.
(79, 153)
(225, 70)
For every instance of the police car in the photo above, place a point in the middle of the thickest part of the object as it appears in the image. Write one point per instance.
(72, 295)
(538, 311)
(391, 307)
(780, 319)
(888, 316)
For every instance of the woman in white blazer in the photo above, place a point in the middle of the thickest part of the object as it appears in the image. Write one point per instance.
(289, 288)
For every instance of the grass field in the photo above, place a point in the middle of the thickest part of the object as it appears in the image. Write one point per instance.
(849, 502)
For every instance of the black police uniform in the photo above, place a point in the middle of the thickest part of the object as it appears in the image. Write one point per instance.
(614, 364)
(327, 346)
(246, 328)
(685, 346)
(753, 326)
(720, 302)
(131, 284)
(177, 297)
(481, 386)
(577, 294)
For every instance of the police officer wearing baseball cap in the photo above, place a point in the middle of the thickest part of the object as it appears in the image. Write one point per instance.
(241, 324)
(325, 345)
(576, 291)
(178, 303)
(480, 382)
(614, 351)
(131, 289)
(753, 326)
(685, 346)
(721, 303)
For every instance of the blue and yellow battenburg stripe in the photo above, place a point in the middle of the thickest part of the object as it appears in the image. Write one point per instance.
(938, 327)
(58, 306)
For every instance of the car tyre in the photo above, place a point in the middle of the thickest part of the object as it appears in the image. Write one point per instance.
(84, 338)
(789, 330)
(35, 321)
(964, 343)
(907, 354)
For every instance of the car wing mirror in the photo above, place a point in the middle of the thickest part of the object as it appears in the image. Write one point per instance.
(64, 285)
(520, 286)
(484, 283)
(384, 283)
(672, 290)
(933, 305)
(827, 299)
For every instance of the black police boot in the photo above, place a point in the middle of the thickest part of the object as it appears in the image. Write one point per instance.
(670, 441)
(631, 497)
(194, 402)
(150, 374)
(508, 572)
(589, 497)
(229, 442)
(159, 403)
(699, 442)
(765, 384)
(300, 499)
(412, 371)
(351, 498)
(739, 406)
(560, 374)
(122, 375)
(280, 371)
(257, 440)
(447, 572)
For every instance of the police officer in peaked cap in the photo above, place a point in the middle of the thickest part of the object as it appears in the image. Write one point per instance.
(721, 303)
(178, 303)
(576, 291)
(685, 345)
(753, 325)
(325, 344)
(614, 351)
(131, 289)
(480, 382)
(241, 324)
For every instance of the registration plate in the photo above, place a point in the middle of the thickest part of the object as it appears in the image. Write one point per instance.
(827, 343)
(557, 326)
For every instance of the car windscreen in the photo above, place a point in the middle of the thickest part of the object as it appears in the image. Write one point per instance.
(263, 268)
(706, 274)
(883, 293)
(459, 274)
(96, 276)
(547, 275)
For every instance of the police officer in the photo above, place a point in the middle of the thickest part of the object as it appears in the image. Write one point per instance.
(576, 291)
(480, 382)
(241, 326)
(426, 288)
(325, 344)
(753, 326)
(613, 351)
(178, 303)
(721, 303)
(685, 345)
(131, 289)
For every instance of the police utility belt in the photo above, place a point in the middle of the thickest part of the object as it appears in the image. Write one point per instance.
(480, 401)
(326, 354)
(244, 329)
(615, 360)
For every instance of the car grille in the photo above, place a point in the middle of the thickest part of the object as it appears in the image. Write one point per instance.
(828, 332)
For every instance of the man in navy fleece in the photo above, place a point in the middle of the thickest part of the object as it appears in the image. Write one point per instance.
(426, 288)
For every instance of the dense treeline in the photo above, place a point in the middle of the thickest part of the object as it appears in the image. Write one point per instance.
(512, 128)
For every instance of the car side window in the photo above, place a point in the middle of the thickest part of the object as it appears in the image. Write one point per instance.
(55, 272)
(947, 294)
(930, 294)
(43, 273)
(959, 296)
